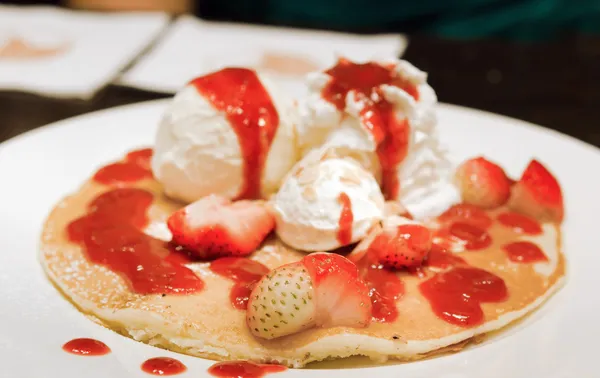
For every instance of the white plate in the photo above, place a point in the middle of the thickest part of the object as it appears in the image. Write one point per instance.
(37, 169)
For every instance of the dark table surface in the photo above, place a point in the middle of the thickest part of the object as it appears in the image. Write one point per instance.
(554, 84)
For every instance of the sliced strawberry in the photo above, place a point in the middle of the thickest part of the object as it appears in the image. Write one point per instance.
(466, 213)
(216, 227)
(406, 246)
(538, 194)
(482, 183)
(342, 296)
(282, 302)
(321, 290)
(400, 243)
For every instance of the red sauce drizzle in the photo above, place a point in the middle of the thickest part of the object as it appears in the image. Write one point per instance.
(245, 273)
(110, 236)
(455, 296)
(521, 224)
(86, 347)
(243, 369)
(344, 235)
(475, 237)
(249, 109)
(135, 167)
(391, 134)
(163, 366)
(524, 252)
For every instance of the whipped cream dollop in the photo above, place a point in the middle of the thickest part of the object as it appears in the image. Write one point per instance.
(423, 175)
(197, 152)
(326, 202)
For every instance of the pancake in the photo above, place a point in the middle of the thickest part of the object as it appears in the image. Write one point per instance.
(205, 324)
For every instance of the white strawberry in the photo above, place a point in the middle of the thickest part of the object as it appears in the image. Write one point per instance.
(282, 302)
(322, 290)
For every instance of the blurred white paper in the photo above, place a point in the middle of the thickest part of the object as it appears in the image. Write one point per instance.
(192, 47)
(64, 53)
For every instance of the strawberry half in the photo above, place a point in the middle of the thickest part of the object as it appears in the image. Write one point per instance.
(216, 227)
(342, 296)
(398, 243)
(321, 290)
(482, 183)
(538, 194)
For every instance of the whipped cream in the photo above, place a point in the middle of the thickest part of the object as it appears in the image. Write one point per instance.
(197, 151)
(426, 169)
(307, 207)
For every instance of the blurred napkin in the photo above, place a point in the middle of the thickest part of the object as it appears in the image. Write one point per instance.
(192, 47)
(64, 53)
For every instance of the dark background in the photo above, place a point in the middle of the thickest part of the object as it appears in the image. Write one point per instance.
(553, 83)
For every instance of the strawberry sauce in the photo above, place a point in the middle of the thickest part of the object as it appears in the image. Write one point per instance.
(519, 223)
(474, 237)
(439, 257)
(391, 135)
(163, 366)
(466, 213)
(344, 235)
(245, 273)
(86, 347)
(243, 369)
(524, 252)
(456, 295)
(140, 157)
(239, 93)
(135, 167)
(385, 288)
(110, 235)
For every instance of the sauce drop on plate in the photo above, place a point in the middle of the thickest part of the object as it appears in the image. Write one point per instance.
(86, 347)
(163, 366)
(243, 369)
(392, 135)
(239, 93)
(244, 272)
